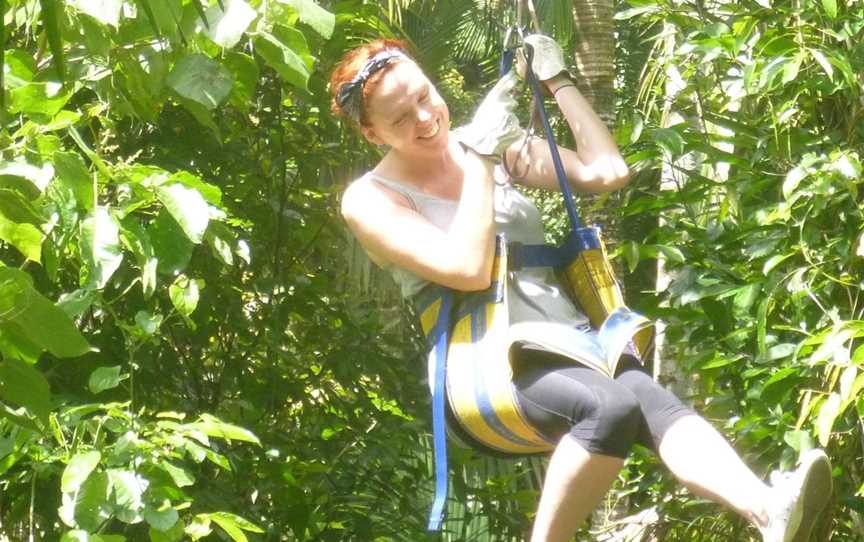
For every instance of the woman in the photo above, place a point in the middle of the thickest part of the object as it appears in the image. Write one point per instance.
(429, 212)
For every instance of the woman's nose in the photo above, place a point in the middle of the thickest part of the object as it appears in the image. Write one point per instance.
(423, 115)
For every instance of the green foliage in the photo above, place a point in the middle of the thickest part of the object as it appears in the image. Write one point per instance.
(185, 356)
(757, 130)
(170, 253)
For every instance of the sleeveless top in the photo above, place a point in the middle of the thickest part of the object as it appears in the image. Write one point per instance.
(534, 294)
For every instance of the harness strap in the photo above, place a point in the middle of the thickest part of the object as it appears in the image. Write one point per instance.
(521, 256)
(440, 337)
(534, 84)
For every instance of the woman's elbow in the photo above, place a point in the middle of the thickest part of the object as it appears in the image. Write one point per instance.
(620, 178)
(476, 283)
(472, 278)
(615, 174)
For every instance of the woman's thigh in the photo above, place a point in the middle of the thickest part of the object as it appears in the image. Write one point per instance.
(558, 397)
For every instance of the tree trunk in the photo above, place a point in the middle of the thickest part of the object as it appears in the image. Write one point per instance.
(594, 54)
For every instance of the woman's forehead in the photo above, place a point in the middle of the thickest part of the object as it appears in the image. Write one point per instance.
(393, 88)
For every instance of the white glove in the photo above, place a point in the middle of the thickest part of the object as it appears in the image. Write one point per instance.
(494, 126)
(548, 59)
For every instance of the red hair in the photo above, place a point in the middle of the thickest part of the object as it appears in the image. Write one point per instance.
(351, 64)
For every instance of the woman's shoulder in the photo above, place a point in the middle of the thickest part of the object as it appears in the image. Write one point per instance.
(365, 194)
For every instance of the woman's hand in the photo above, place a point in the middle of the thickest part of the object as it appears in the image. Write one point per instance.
(547, 58)
(494, 126)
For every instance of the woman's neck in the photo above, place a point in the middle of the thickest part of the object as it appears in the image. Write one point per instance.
(427, 171)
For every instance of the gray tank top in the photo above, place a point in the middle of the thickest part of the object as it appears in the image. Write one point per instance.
(534, 294)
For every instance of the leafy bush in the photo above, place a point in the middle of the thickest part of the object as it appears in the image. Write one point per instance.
(752, 111)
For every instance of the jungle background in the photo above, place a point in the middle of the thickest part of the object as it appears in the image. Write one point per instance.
(193, 348)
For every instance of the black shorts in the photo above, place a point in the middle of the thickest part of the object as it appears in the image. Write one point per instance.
(559, 396)
(605, 416)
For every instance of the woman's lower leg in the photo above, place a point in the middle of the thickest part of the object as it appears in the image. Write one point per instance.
(699, 456)
(575, 482)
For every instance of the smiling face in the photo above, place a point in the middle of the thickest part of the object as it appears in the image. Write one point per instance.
(406, 112)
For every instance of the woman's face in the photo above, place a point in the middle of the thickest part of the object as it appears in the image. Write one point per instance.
(406, 112)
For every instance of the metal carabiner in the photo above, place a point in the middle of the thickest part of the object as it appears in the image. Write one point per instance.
(509, 36)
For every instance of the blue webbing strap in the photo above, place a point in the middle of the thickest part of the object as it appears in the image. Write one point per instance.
(506, 61)
(440, 338)
(520, 256)
(575, 223)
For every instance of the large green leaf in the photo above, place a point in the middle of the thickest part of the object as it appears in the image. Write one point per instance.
(100, 248)
(16, 287)
(127, 489)
(180, 476)
(188, 208)
(174, 534)
(39, 176)
(78, 470)
(14, 343)
(210, 192)
(52, 19)
(199, 527)
(19, 68)
(245, 72)
(137, 240)
(828, 413)
(233, 525)
(26, 312)
(184, 294)
(321, 20)
(17, 208)
(44, 99)
(171, 246)
(221, 240)
(167, 16)
(148, 323)
(89, 507)
(73, 173)
(105, 378)
(23, 385)
(200, 79)
(163, 518)
(227, 27)
(75, 303)
(214, 427)
(287, 62)
(27, 238)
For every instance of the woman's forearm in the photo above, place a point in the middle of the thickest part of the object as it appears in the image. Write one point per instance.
(593, 140)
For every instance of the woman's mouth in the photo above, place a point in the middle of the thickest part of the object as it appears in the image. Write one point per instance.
(433, 131)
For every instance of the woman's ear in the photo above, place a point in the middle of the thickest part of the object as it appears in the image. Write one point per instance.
(370, 135)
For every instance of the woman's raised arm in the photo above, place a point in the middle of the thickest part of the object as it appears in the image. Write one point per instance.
(596, 165)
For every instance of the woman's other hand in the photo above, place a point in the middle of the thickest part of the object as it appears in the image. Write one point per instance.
(494, 126)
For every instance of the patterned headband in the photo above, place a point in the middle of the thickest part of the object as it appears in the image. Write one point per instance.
(350, 97)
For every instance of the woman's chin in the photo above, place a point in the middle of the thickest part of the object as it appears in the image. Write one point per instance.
(433, 145)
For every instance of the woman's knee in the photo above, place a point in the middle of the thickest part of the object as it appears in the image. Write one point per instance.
(614, 423)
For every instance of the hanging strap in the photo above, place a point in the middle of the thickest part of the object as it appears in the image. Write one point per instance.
(534, 84)
(440, 338)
